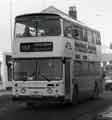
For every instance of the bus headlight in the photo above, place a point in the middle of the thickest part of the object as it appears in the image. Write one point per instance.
(16, 85)
(49, 90)
(23, 90)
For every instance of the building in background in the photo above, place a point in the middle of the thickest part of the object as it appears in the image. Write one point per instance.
(106, 56)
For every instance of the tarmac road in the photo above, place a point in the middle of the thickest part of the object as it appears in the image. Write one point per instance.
(87, 110)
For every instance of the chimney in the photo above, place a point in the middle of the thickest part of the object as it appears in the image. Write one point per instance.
(73, 12)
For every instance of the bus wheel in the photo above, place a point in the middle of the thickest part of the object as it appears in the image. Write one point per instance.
(96, 91)
(30, 105)
(75, 96)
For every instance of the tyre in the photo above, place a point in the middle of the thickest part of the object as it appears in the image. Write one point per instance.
(30, 105)
(75, 96)
(96, 91)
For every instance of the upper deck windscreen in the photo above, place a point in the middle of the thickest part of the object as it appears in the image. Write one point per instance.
(37, 25)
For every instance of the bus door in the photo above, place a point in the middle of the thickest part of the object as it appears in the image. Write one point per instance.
(9, 67)
(67, 78)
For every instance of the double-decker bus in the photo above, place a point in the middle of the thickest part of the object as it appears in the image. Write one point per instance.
(55, 59)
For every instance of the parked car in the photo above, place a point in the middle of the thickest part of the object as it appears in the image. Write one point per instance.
(108, 82)
(106, 115)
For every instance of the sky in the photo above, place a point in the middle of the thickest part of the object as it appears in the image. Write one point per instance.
(95, 13)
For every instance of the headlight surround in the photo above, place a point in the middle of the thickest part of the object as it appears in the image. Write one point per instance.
(49, 90)
(23, 90)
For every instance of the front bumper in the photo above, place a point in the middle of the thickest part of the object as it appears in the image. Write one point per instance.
(48, 99)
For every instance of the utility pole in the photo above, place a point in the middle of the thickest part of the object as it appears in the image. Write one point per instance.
(10, 15)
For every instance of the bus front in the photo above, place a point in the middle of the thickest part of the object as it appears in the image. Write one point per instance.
(38, 58)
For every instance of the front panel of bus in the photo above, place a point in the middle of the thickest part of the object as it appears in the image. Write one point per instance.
(39, 66)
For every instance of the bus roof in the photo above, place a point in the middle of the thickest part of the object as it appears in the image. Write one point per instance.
(34, 14)
(53, 11)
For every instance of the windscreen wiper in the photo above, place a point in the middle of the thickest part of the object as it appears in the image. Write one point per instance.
(43, 76)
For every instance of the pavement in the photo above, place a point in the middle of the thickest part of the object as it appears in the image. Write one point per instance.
(5, 100)
(107, 113)
(5, 96)
(5, 92)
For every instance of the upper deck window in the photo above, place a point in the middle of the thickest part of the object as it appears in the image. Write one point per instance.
(67, 27)
(90, 37)
(72, 30)
(85, 37)
(37, 25)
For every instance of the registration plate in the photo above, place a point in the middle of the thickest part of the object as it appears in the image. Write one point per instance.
(35, 92)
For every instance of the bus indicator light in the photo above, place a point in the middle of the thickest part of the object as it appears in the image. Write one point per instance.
(23, 90)
(49, 90)
(68, 46)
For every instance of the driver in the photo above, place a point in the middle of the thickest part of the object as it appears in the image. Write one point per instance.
(26, 32)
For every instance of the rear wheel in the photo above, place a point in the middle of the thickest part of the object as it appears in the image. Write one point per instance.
(75, 96)
(96, 91)
(30, 105)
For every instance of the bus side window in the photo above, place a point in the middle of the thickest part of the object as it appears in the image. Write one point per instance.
(91, 68)
(98, 39)
(68, 32)
(77, 33)
(85, 38)
(94, 37)
(90, 36)
(77, 68)
(84, 68)
(93, 41)
(67, 29)
(97, 68)
(94, 68)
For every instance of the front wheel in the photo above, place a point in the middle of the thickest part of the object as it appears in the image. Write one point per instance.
(30, 105)
(75, 96)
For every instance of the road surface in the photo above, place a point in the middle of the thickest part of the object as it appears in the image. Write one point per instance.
(87, 110)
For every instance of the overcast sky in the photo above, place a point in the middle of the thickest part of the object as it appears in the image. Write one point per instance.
(95, 13)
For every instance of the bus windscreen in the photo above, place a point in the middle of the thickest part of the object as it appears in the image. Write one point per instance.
(37, 25)
(38, 70)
